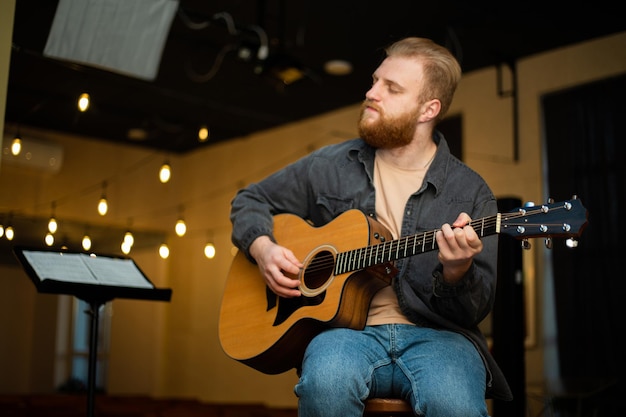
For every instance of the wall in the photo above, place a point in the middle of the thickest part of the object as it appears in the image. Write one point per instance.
(171, 349)
(7, 9)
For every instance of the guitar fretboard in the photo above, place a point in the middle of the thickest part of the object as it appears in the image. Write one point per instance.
(404, 247)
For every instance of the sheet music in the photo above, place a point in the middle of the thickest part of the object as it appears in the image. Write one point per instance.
(60, 266)
(87, 269)
(117, 271)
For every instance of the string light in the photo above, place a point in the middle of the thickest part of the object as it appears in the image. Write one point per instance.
(209, 250)
(16, 146)
(164, 251)
(52, 223)
(1, 230)
(181, 227)
(9, 233)
(86, 242)
(203, 133)
(129, 239)
(103, 205)
(49, 239)
(165, 173)
(125, 247)
(83, 102)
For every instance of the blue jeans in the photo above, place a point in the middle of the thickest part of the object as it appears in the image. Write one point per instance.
(439, 372)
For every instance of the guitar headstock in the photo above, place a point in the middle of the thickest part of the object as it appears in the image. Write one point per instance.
(565, 219)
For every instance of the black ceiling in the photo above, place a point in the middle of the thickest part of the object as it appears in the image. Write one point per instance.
(242, 97)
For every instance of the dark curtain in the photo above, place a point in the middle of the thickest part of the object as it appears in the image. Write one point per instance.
(585, 133)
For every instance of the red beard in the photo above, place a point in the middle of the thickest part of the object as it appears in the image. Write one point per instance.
(386, 132)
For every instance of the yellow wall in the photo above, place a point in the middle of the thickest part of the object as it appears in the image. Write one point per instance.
(171, 349)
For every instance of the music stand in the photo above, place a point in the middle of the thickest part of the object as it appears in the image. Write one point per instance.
(93, 278)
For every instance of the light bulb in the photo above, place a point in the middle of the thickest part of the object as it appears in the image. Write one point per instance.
(1, 230)
(49, 239)
(16, 146)
(129, 239)
(209, 250)
(86, 242)
(125, 248)
(8, 232)
(103, 206)
(203, 133)
(165, 173)
(164, 251)
(52, 225)
(83, 102)
(181, 227)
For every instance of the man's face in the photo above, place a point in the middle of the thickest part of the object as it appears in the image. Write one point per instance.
(390, 111)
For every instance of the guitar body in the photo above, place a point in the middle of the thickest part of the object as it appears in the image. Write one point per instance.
(270, 333)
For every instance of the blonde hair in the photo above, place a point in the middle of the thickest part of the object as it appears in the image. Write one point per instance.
(441, 69)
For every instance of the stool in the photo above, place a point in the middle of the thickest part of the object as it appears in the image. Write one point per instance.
(387, 407)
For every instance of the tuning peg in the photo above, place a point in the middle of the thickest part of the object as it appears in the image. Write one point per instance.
(548, 242)
(550, 200)
(571, 243)
(526, 244)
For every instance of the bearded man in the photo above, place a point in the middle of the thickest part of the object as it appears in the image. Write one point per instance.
(421, 340)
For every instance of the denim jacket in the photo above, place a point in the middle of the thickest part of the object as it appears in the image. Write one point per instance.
(336, 178)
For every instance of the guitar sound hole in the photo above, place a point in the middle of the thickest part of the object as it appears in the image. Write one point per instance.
(319, 270)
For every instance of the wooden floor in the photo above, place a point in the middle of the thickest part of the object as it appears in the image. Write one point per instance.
(75, 405)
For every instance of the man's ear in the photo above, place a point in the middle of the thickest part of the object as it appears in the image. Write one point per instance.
(430, 110)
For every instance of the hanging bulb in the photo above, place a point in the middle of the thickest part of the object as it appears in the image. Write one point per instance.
(86, 242)
(125, 248)
(103, 205)
(129, 239)
(49, 239)
(181, 227)
(209, 250)
(1, 230)
(164, 251)
(8, 232)
(165, 173)
(52, 225)
(203, 133)
(83, 102)
(16, 146)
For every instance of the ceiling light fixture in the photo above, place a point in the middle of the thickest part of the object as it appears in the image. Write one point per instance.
(86, 242)
(338, 67)
(165, 173)
(83, 102)
(181, 226)
(203, 133)
(16, 145)
(9, 233)
(164, 251)
(103, 205)
(209, 250)
(52, 223)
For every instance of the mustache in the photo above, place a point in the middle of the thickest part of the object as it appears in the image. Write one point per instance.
(371, 104)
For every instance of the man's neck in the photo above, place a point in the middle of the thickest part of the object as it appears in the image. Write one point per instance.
(416, 155)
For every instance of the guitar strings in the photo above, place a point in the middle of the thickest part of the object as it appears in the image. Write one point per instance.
(381, 253)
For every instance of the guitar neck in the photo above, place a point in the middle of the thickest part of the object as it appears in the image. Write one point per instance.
(404, 247)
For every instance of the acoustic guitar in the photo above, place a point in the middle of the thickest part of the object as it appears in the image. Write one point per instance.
(345, 263)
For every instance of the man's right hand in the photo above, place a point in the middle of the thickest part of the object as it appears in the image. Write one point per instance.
(278, 265)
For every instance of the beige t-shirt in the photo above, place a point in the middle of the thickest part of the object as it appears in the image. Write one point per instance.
(393, 185)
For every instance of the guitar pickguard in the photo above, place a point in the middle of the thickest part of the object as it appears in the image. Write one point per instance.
(288, 306)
